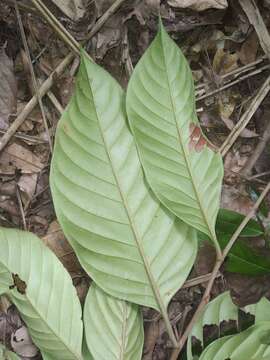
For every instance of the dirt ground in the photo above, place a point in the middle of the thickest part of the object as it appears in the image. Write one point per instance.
(230, 63)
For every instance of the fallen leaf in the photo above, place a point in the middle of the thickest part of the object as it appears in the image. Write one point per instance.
(232, 199)
(249, 49)
(8, 89)
(226, 105)
(22, 344)
(27, 184)
(74, 9)
(57, 242)
(199, 5)
(224, 62)
(21, 158)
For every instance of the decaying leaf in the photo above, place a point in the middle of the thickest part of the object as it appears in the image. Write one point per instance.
(21, 158)
(245, 133)
(199, 5)
(74, 9)
(22, 343)
(8, 89)
(224, 62)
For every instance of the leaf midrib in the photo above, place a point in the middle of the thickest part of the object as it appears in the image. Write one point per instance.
(127, 210)
(123, 332)
(39, 314)
(213, 235)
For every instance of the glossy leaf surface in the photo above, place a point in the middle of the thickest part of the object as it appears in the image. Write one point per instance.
(42, 290)
(180, 166)
(113, 328)
(132, 246)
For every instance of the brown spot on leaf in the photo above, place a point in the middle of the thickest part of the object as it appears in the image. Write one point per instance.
(197, 140)
(19, 284)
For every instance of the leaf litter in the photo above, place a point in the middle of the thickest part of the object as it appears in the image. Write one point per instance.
(217, 42)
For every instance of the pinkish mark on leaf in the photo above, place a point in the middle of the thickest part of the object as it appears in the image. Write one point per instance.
(197, 139)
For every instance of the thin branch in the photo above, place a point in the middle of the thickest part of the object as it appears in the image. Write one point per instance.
(33, 77)
(219, 262)
(45, 87)
(245, 118)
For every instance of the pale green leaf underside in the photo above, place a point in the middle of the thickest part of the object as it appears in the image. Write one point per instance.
(220, 309)
(250, 344)
(130, 245)
(7, 355)
(261, 310)
(160, 108)
(113, 328)
(50, 307)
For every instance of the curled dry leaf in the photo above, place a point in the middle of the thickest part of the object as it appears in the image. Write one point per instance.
(74, 9)
(8, 89)
(199, 5)
(22, 343)
(246, 133)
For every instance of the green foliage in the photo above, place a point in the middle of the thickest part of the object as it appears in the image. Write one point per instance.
(220, 309)
(251, 344)
(42, 291)
(180, 166)
(128, 243)
(261, 310)
(113, 328)
(7, 355)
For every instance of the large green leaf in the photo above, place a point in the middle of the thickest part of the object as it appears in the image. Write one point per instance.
(125, 239)
(251, 344)
(220, 309)
(113, 328)
(42, 291)
(181, 168)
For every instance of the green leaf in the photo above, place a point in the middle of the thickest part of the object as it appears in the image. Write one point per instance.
(261, 310)
(182, 170)
(220, 309)
(131, 246)
(42, 291)
(244, 260)
(228, 221)
(247, 345)
(7, 355)
(113, 328)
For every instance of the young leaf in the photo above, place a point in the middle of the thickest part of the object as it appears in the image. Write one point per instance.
(130, 245)
(180, 166)
(220, 309)
(113, 328)
(42, 290)
(251, 344)
(228, 221)
(244, 260)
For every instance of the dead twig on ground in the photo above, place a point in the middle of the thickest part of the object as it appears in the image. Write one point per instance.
(245, 118)
(219, 262)
(33, 77)
(255, 18)
(247, 169)
(47, 84)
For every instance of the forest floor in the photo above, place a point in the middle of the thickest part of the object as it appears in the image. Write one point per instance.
(228, 49)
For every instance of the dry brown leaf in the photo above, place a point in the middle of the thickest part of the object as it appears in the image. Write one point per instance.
(8, 89)
(74, 9)
(22, 344)
(232, 199)
(199, 5)
(27, 184)
(57, 242)
(224, 62)
(249, 49)
(21, 158)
